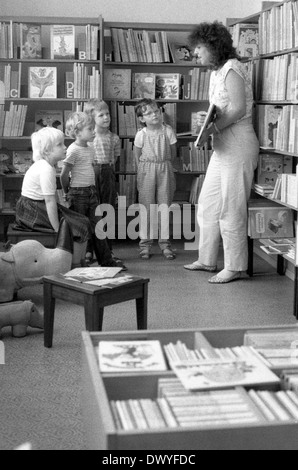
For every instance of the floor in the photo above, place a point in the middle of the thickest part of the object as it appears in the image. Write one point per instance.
(40, 388)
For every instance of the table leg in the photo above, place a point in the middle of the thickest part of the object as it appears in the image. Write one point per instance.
(93, 313)
(142, 309)
(49, 314)
(250, 269)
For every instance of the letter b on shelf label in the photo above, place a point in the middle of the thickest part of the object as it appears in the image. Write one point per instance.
(2, 353)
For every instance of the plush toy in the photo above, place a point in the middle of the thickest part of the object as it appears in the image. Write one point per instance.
(28, 261)
(20, 315)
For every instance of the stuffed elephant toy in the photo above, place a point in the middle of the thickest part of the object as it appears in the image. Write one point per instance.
(28, 261)
(20, 315)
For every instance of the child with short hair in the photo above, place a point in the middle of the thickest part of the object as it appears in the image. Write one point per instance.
(107, 150)
(154, 148)
(78, 180)
(37, 208)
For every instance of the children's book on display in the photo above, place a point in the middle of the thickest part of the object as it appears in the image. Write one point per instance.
(42, 82)
(131, 356)
(62, 42)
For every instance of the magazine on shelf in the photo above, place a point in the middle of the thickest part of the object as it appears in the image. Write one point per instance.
(208, 120)
(130, 356)
(210, 374)
(91, 274)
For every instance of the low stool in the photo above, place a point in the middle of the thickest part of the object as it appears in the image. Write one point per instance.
(47, 239)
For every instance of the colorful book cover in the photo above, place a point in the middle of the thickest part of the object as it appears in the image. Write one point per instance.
(117, 83)
(168, 86)
(62, 42)
(143, 85)
(30, 41)
(131, 356)
(42, 82)
(48, 118)
(22, 160)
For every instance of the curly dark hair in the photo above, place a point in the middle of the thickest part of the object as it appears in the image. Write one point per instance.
(217, 38)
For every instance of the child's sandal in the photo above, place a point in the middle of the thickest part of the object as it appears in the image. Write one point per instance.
(168, 254)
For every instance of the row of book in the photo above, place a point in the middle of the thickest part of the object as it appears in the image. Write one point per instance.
(286, 189)
(30, 41)
(278, 127)
(10, 80)
(246, 39)
(278, 28)
(123, 84)
(193, 158)
(279, 78)
(84, 82)
(128, 188)
(12, 121)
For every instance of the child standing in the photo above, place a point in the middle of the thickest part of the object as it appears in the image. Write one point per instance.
(37, 208)
(155, 148)
(80, 189)
(107, 150)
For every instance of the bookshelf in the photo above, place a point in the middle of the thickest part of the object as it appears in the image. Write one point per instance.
(68, 79)
(99, 388)
(276, 97)
(131, 52)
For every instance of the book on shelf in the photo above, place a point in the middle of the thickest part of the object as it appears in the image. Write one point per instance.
(278, 346)
(10, 80)
(30, 41)
(7, 47)
(268, 119)
(117, 83)
(246, 39)
(208, 120)
(42, 82)
(22, 160)
(182, 53)
(48, 118)
(143, 85)
(131, 356)
(269, 166)
(12, 121)
(264, 189)
(62, 42)
(6, 164)
(91, 274)
(267, 219)
(168, 86)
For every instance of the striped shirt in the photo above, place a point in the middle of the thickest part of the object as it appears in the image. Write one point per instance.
(82, 161)
(107, 148)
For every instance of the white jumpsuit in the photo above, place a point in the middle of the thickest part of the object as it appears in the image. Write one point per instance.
(222, 206)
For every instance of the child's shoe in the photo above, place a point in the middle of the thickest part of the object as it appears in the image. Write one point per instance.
(145, 253)
(168, 253)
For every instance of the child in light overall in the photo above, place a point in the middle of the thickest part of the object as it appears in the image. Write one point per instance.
(80, 189)
(37, 209)
(154, 148)
(107, 150)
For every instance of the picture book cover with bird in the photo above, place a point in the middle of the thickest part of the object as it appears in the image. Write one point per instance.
(129, 356)
(42, 82)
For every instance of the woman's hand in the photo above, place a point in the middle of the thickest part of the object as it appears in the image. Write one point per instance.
(201, 116)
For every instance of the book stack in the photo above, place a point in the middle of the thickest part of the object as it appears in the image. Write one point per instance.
(12, 121)
(264, 189)
(140, 46)
(246, 39)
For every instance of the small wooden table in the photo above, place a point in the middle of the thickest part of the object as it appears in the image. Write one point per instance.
(94, 299)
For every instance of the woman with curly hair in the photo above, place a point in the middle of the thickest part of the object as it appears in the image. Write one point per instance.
(222, 206)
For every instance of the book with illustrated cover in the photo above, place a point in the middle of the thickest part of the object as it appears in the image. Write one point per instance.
(267, 219)
(30, 41)
(6, 164)
(48, 118)
(62, 42)
(117, 83)
(167, 86)
(91, 274)
(42, 82)
(210, 374)
(269, 166)
(130, 356)
(22, 160)
(143, 85)
(182, 54)
(246, 39)
(279, 347)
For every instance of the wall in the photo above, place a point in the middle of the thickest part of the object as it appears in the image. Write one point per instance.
(155, 11)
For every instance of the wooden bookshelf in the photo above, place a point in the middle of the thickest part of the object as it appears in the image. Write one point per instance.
(100, 388)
